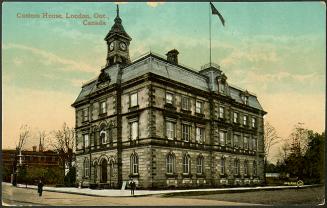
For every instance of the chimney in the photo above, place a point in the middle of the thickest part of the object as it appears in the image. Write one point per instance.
(172, 56)
(34, 148)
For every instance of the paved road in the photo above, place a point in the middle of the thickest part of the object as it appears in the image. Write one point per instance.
(21, 196)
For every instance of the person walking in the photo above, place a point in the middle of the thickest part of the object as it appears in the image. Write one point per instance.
(132, 185)
(40, 187)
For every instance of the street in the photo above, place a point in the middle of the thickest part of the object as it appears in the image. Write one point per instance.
(21, 196)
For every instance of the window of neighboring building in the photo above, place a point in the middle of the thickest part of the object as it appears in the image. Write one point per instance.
(103, 136)
(169, 98)
(236, 167)
(245, 120)
(235, 117)
(200, 136)
(246, 142)
(103, 107)
(199, 164)
(86, 140)
(170, 163)
(134, 130)
(85, 114)
(186, 132)
(246, 170)
(254, 168)
(222, 166)
(221, 112)
(133, 99)
(253, 123)
(86, 168)
(236, 140)
(170, 129)
(186, 164)
(134, 164)
(199, 107)
(185, 103)
(222, 138)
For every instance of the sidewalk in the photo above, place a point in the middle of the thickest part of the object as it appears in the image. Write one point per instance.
(124, 193)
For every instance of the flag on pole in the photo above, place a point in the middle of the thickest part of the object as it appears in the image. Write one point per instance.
(215, 12)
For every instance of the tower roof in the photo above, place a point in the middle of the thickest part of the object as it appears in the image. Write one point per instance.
(117, 28)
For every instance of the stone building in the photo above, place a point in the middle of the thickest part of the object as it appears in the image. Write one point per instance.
(164, 124)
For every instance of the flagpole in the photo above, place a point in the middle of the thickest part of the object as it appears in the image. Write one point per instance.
(209, 35)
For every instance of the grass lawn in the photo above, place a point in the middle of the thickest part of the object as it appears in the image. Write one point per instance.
(305, 196)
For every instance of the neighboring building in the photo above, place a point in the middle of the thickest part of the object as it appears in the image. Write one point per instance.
(164, 124)
(29, 159)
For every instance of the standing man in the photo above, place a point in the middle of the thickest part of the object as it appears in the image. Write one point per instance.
(132, 185)
(40, 187)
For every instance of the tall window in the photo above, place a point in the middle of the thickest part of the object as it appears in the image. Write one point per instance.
(103, 107)
(235, 117)
(254, 168)
(236, 140)
(199, 107)
(169, 98)
(245, 120)
(236, 167)
(103, 136)
(253, 123)
(186, 132)
(222, 166)
(186, 164)
(246, 142)
(185, 103)
(200, 136)
(221, 112)
(254, 143)
(85, 114)
(246, 170)
(133, 99)
(170, 163)
(221, 88)
(134, 164)
(86, 167)
(134, 130)
(170, 130)
(86, 140)
(222, 138)
(199, 164)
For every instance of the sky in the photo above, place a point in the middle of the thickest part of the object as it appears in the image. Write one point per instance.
(276, 50)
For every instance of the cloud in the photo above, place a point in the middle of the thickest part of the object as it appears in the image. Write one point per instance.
(48, 57)
(154, 3)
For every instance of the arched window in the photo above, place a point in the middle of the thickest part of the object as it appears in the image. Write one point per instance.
(222, 166)
(254, 168)
(86, 168)
(170, 163)
(246, 169)
(199, 164)
(134, 164)
(186, 164)
(103, 136)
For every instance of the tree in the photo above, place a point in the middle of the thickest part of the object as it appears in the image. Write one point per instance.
(23, 136)
(64, 143)
(270, 138)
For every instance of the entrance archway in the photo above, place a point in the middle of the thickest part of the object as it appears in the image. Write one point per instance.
(104, 171)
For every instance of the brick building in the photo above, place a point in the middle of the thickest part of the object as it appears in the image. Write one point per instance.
(164, 124)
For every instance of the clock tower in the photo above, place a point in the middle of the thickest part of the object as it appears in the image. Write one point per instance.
(118, 43)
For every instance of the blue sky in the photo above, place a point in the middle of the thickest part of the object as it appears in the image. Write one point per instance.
(276, 50)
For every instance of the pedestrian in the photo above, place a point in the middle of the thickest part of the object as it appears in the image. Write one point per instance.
(132, 185)
(40, 187)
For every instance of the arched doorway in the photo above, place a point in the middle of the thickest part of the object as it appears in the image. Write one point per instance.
(104, 171)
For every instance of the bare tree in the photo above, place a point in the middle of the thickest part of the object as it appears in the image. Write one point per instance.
(63, 142)
(270, 137)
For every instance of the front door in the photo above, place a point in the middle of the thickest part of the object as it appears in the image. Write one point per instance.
(104, 171)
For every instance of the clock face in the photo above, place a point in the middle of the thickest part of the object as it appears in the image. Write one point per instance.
(122, 46)
(111, 46)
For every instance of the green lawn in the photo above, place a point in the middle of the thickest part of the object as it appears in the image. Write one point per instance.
(305, 196)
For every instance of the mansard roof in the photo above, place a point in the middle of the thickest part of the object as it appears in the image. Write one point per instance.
(154, 63)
